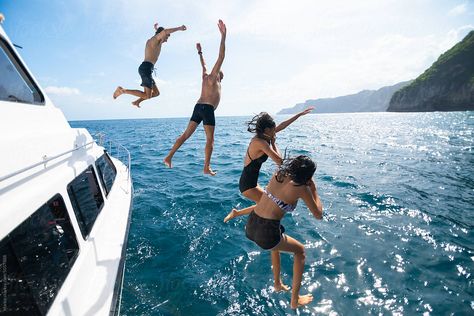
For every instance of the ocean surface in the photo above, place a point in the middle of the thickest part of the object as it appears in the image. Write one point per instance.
(397, 235)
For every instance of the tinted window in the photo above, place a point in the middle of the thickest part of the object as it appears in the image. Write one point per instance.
(86, 199)
(36, 258)
(15, 84)
(107, 172)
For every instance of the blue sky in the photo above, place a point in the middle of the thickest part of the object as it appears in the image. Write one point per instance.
(279, 53)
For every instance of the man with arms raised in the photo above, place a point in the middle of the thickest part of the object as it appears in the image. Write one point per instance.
(152, 52)
(206, 105)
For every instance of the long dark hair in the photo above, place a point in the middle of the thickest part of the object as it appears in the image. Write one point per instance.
(300, 169)
(259, 122)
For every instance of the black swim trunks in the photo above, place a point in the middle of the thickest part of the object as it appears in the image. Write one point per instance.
(266, 233)
(145, 70)
(205, 113)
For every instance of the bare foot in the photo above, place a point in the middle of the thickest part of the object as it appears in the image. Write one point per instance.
(231, 215)
(167, 162)
(118, 92)
(281, 287)
(136, 103)
(208, 170)
(302, 300)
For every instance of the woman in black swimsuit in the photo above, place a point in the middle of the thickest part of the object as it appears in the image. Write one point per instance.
(291, 182)
(260, 148)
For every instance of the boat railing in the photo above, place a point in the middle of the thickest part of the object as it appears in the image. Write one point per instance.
(115, 150)
(44, 161)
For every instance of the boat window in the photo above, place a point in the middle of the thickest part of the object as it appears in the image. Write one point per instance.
(107, 172)
(86, 199)
(36, 258)
(15, 83)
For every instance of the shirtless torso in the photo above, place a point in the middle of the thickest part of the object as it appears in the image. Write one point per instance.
(153, 49)
(211, 90)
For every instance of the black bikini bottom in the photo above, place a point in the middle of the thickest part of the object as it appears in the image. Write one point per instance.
(266, 233)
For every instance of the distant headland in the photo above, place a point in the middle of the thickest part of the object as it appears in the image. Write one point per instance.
(448, 85)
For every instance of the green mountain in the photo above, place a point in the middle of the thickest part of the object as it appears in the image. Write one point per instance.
(448, 85)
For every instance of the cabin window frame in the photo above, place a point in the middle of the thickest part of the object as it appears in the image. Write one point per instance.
(38, 97)
(31, 284)
(83, 226)
(110, 163)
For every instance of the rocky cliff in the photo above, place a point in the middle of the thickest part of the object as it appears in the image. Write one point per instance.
(448, 85)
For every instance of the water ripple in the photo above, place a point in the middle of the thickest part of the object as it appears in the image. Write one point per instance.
(397, 237)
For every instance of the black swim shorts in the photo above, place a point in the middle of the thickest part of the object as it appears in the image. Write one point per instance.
(145, 70)
(205, 113)
(266, 233)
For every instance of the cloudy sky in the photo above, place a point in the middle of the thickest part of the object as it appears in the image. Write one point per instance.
(279, 53)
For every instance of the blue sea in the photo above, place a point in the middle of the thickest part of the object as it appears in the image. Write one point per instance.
(396, 238)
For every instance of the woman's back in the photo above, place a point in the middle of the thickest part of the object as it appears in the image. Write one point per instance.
(279, 197)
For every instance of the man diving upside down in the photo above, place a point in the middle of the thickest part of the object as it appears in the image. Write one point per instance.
(152, 52)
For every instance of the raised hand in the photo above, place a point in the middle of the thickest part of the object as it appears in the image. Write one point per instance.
(183, 28)
(156, 26)
(198, 47)
(222, 28)
(307, 111)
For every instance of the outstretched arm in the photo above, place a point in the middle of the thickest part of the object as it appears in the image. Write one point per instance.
(167, 32)
(201, 58)
(285, 124)
(174, 29)
(220, 59)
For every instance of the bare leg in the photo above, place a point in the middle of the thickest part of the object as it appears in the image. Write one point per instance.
(137, 93)
(292, 245)
(236, 213)
(147, 95)
(179, 141)
(279, 286)
(253, 194)
(137, 102)
(209, 129)
(118, 92)
(154, 93)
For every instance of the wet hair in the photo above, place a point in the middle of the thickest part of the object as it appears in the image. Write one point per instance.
(259, 122)
(300, 169)
(158, 30)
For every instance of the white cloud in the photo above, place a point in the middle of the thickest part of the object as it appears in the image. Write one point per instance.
(278, 53)
(64, 91)
(458, 10)
(386, 61)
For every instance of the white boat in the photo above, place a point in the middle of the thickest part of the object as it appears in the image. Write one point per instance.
(65, 205)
